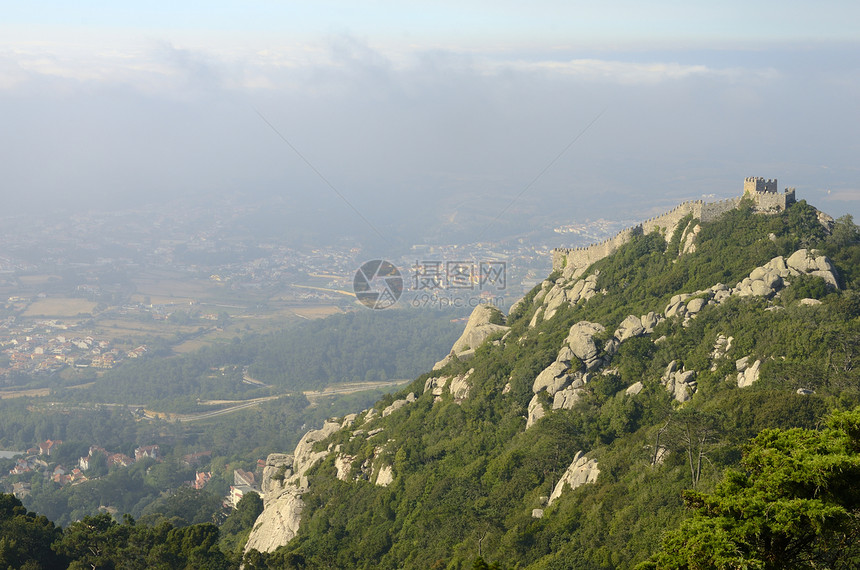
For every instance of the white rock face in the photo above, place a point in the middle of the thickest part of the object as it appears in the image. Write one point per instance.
(696, 305)
(650, 321)
(565, 399)
(721, 347)
(688, 242)
(535, 317)
(478, 329)
(536, 411)
(436, 385)
(343, 464)
(581, 471)
(634, 389)
(385, 476)
(747, 374)
(282, 502)
(460, 386)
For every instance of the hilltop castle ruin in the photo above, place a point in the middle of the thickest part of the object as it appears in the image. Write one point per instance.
(763, 193)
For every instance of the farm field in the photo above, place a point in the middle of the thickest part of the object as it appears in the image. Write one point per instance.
(59, 307)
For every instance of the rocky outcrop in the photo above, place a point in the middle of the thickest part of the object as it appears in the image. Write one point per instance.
(535, 411)
(766, 280)
(343, 465)
(553, 378)
(566, 398)
(680, 383)
(634, 326)
(581, 342)
(581, 471)
(747, 373)
(284, 482)
(688, 239)
(629, 328)
(561, 379)
(385, 476)
(722, 345)
(458, 386)
(478, 328)
(397, 404)
(564, 291)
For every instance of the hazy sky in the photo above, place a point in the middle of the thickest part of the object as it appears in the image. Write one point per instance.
(443, 112)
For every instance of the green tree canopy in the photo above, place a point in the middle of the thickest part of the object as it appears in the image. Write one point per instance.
(794, 504)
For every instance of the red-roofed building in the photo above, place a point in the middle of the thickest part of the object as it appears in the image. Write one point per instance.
(49, 446)
(201, 479)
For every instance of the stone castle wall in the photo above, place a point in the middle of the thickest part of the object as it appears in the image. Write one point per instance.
(763, 193)
(773, 201)
(713, 210)
(581, 257)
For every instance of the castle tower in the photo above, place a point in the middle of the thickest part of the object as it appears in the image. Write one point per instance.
(754, 184)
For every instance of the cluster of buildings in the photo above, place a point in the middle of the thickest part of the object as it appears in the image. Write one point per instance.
(34, 461)
(37, 460)
(244, 482)
(48, 346)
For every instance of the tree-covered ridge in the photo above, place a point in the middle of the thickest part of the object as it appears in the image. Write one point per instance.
(468, 475)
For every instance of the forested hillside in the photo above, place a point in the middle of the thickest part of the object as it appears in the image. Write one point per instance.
(477, 466)
(683, 403)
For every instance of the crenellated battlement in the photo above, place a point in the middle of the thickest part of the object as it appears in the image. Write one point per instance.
(758, 184)
(763, 193)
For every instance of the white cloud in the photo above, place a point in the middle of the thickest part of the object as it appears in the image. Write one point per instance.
(151, 66)
(633, 72)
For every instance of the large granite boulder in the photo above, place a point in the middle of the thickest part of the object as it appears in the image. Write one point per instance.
(581, 471)
(629, 328)
(581, 342)
(478, 328)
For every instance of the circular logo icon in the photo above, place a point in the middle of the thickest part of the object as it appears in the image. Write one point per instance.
(377, 284)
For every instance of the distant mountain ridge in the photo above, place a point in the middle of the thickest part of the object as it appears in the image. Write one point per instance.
(563, 434)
